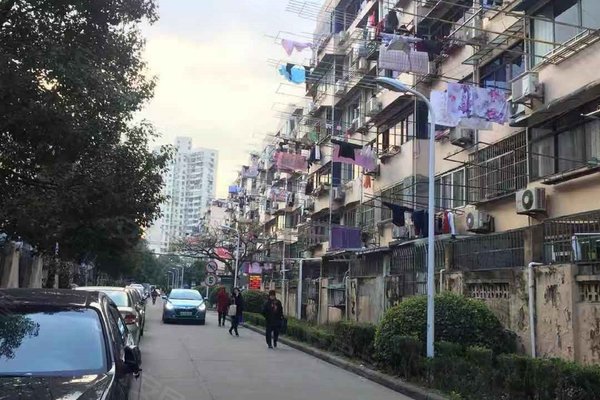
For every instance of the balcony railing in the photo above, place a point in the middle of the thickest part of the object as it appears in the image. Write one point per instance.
(573, 239)
(493, 251)
(312, 234)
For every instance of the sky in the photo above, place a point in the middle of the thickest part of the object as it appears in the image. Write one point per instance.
(215, 82)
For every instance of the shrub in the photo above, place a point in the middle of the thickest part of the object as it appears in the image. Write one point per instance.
(254, 319)
(354, 339)
(457, 319)
(254, 300)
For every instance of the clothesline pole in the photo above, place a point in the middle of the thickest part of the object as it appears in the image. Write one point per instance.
(397, 86)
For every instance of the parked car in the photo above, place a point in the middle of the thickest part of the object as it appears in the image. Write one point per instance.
(127, 304)
(140, 305)
(65, 344)
(141, 289)
(184, 305)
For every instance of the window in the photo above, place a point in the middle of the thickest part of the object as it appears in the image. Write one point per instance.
(450, 190)
(61, 342)
(565, 143)
(503, 69)
(351, 217)
(116, 320)
(395, 134)
(348, 172)
(498, 170)
(561, 20)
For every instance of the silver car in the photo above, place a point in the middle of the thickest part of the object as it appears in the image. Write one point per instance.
(126, 304)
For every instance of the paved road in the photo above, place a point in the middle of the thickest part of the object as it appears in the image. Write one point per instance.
(189, 362)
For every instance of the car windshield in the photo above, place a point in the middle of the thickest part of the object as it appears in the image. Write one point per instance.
(119, 297)
(185, 295)
(60, 343)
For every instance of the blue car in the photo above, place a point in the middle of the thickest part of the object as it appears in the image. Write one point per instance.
(184, 305)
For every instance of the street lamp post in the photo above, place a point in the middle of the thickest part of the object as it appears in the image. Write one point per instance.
(237, 252)
(397, 86)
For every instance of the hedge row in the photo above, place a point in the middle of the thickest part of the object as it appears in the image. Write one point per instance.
(476, 373)
(352, 340)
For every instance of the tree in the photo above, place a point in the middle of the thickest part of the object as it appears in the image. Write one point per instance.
(74, 168)
(211, 242)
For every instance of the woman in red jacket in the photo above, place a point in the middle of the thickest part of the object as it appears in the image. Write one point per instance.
(222, 305)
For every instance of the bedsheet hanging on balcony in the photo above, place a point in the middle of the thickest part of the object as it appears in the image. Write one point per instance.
(290, 45)
(290, 161)
(401, 61)
(468, 101)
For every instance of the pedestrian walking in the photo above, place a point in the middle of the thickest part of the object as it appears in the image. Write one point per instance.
(222, 305)
(235, 311)
(273, 313)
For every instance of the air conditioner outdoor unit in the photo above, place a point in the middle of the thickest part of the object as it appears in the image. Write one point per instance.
(527, 87)
(517, 112)
(374, 107)
(462, 137)
(340, 87)
(474, 29)
(479, 222)
(363, 64)
(531, 201)
(339, 194)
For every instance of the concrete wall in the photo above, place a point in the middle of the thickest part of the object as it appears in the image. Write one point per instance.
(370, 292)
(566, 325)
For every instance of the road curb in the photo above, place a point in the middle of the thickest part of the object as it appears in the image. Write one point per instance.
(398, 385)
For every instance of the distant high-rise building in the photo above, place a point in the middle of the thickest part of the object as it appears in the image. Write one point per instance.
(190, 186)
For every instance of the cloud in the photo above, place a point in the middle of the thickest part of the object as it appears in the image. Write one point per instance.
(216, 85)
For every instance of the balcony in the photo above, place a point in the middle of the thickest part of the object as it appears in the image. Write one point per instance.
(312, 234)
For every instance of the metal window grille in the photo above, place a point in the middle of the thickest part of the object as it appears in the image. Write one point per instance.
(498, 169)
(559, 246)
(492, 251)
(589, 291)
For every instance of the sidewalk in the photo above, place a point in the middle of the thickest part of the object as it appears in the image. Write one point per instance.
(396, 384)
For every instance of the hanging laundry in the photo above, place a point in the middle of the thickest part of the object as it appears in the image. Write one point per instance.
(398, 217)
(433, 48)
(398, 42)
(391, 22)
(459, 100)
(400, 61)
(313, 136)
(421, 222)
(290, 45)
(290, 161)
(233, 189)
(344, 152)
(367, 182)
(372, 19)
(445, 223)
(439, 103)
(490, 104)
(293, 73)
(367, 158)
(310, 186)
(451, 223)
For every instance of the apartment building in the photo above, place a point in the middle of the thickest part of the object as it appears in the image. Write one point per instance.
(190, 187)
(510, 190)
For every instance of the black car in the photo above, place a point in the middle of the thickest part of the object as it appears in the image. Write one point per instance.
(64, 344)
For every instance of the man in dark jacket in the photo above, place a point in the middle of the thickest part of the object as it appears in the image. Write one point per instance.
(273, 313)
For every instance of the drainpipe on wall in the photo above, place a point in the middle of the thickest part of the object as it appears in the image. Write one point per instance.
(299, 296)
(442, 279)
(531, 293)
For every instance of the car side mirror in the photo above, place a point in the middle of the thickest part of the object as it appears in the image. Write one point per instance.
(133, 359)
(164, 297)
